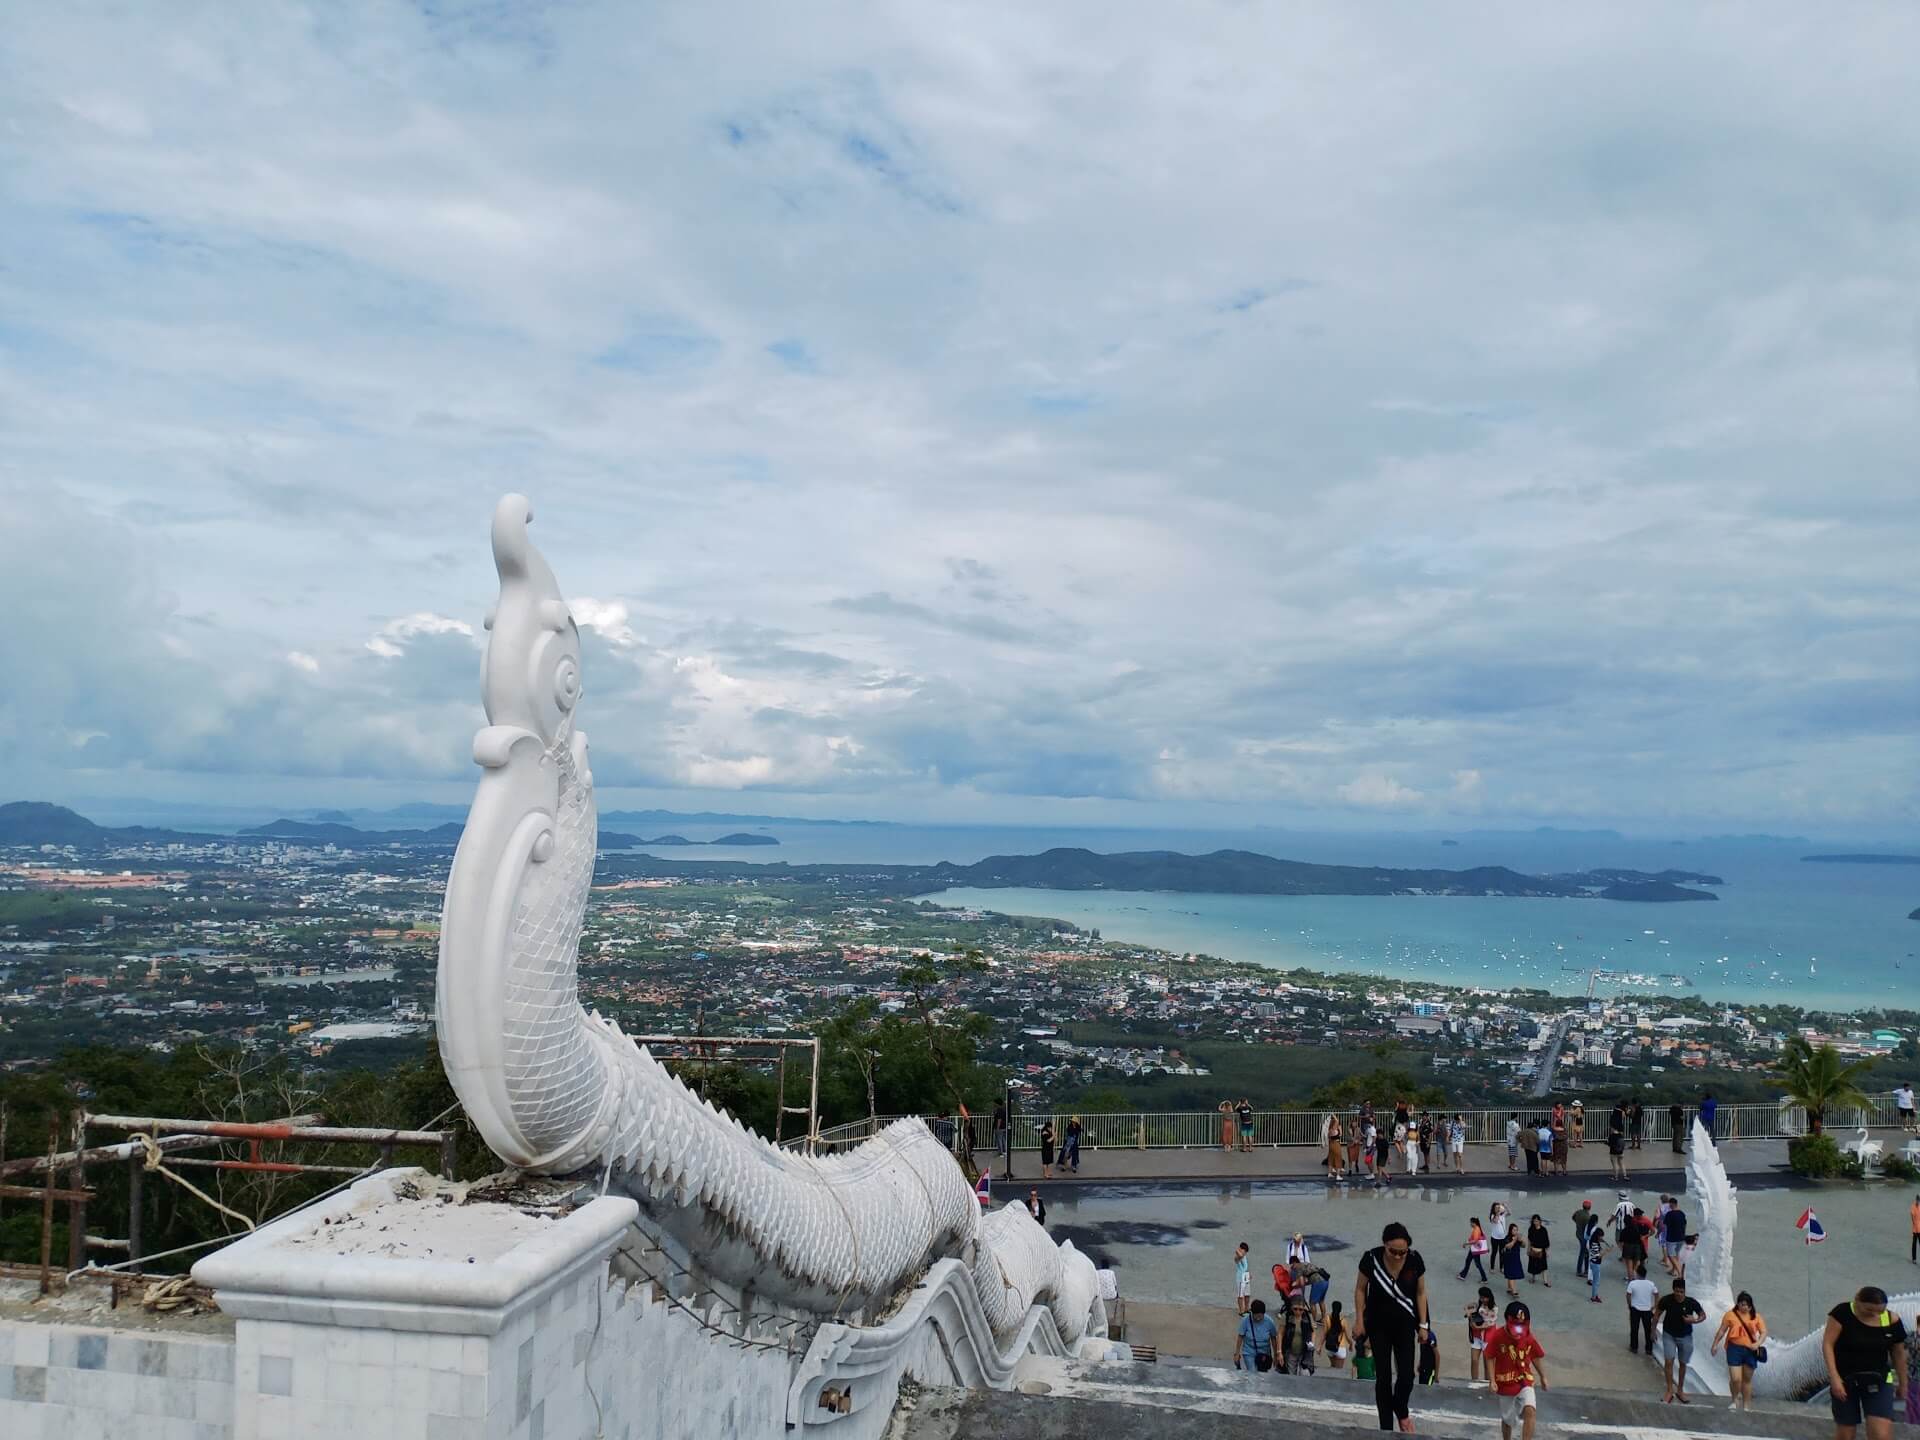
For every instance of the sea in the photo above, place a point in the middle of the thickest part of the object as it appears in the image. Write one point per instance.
(1819, 936)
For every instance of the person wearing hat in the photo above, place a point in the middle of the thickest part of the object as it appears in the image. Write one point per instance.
(1515, 1365)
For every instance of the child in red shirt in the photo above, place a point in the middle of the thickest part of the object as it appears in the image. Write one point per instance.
(1515, 1364)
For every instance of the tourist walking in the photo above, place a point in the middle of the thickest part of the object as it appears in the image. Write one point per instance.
(1538, 1243)
(1356, 1144)
(1482, 1314)
(1913, 1242)
(1242, 1277)
(1390, 1312)
(1582, 1218)
(1513, 1260)
(1677, 1123)
(1476, 1246)
(1258, 1338)
(1296, 1343)
(1577, 1123)
(1037, 1207)
(1001, 1135)
(1515, 1365)
(1597, 1248)
(1070, 1155)
(1499, 1222)
(1335, 1343)
(1335, 1160)
(1642, 1296)
(1530, 1148)
(1743, 1330)
(1425, 1134)
(1382, 1155)
(1047, 1141)
(1677, 1313)
(1709, 1108)
(1457, 1142)
(1903, 1102)
(1244, 1112)
(1617, 1143)
(1633, 1244)
(1673, 1236)
(1513, 1140)
(1865, 1346)
(1636, 1123)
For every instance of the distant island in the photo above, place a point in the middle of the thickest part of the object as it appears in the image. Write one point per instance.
(1243, 872)
(1914, 916)
(741, 838)
(33, 822)
(1861, 859)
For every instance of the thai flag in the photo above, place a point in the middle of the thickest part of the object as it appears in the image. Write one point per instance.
(1810, 1222)
(983, 1192)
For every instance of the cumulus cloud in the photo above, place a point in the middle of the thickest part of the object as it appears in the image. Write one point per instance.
(1010, 416)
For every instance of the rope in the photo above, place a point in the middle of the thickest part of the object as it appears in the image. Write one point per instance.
(153, 1166)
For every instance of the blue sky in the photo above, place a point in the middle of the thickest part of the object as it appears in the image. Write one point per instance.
(1347, 416)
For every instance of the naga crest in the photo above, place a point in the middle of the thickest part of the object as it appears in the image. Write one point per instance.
(530, 679)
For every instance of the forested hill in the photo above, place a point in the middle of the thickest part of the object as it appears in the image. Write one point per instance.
(1243, 872)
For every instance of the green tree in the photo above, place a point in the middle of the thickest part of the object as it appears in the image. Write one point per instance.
(1820, 1079)
(1383, 1087)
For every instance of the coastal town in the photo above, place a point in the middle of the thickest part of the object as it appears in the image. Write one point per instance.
(327, 954)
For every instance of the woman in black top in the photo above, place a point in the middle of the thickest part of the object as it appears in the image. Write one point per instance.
(1636, 1123)
(1046, 1150)
(1866, 1353)
(1537, 1242)
(1390, 1311)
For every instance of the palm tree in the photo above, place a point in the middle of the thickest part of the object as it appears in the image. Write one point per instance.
(1820, 1080)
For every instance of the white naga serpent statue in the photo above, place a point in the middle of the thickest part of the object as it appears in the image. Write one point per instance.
(556, 1090)
(1794, 1368)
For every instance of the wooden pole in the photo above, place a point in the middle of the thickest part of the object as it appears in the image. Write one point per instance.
(77, 1209)
(136, 1188)
(46, 1205)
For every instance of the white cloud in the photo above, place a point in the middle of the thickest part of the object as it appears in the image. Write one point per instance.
(1013, 411)
(1375, 791)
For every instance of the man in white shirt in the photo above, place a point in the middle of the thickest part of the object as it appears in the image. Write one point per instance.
(1641, 1295)
(1903, 1102)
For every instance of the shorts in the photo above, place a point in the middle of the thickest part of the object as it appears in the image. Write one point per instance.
(1458, 1147)
(1738, 1355)
(1863, 1403)
(1244, 1288)
(1906, 1114)
(1678, 1347)
(1513, 1408)
(1478, 1342)
(1672, 1248)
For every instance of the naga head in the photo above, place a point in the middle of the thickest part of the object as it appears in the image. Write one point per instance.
(530, 678)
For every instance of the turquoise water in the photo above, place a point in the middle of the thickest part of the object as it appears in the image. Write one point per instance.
(1810, 935)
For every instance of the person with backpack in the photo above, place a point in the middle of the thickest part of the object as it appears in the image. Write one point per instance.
(1258, 1336)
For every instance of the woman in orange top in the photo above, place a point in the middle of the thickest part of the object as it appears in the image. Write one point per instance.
(1744, 1331)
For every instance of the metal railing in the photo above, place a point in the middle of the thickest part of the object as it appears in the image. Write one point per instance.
(1207, 1129)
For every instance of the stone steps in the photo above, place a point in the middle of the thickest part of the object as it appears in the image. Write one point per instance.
(1068, 1398)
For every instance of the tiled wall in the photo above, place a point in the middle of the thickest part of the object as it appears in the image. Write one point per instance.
(64, 1382)
(327, 1382)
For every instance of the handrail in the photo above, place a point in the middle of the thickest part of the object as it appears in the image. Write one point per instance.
(1203, 1129)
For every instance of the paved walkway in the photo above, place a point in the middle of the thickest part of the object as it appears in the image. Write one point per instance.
(1302, 1162)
